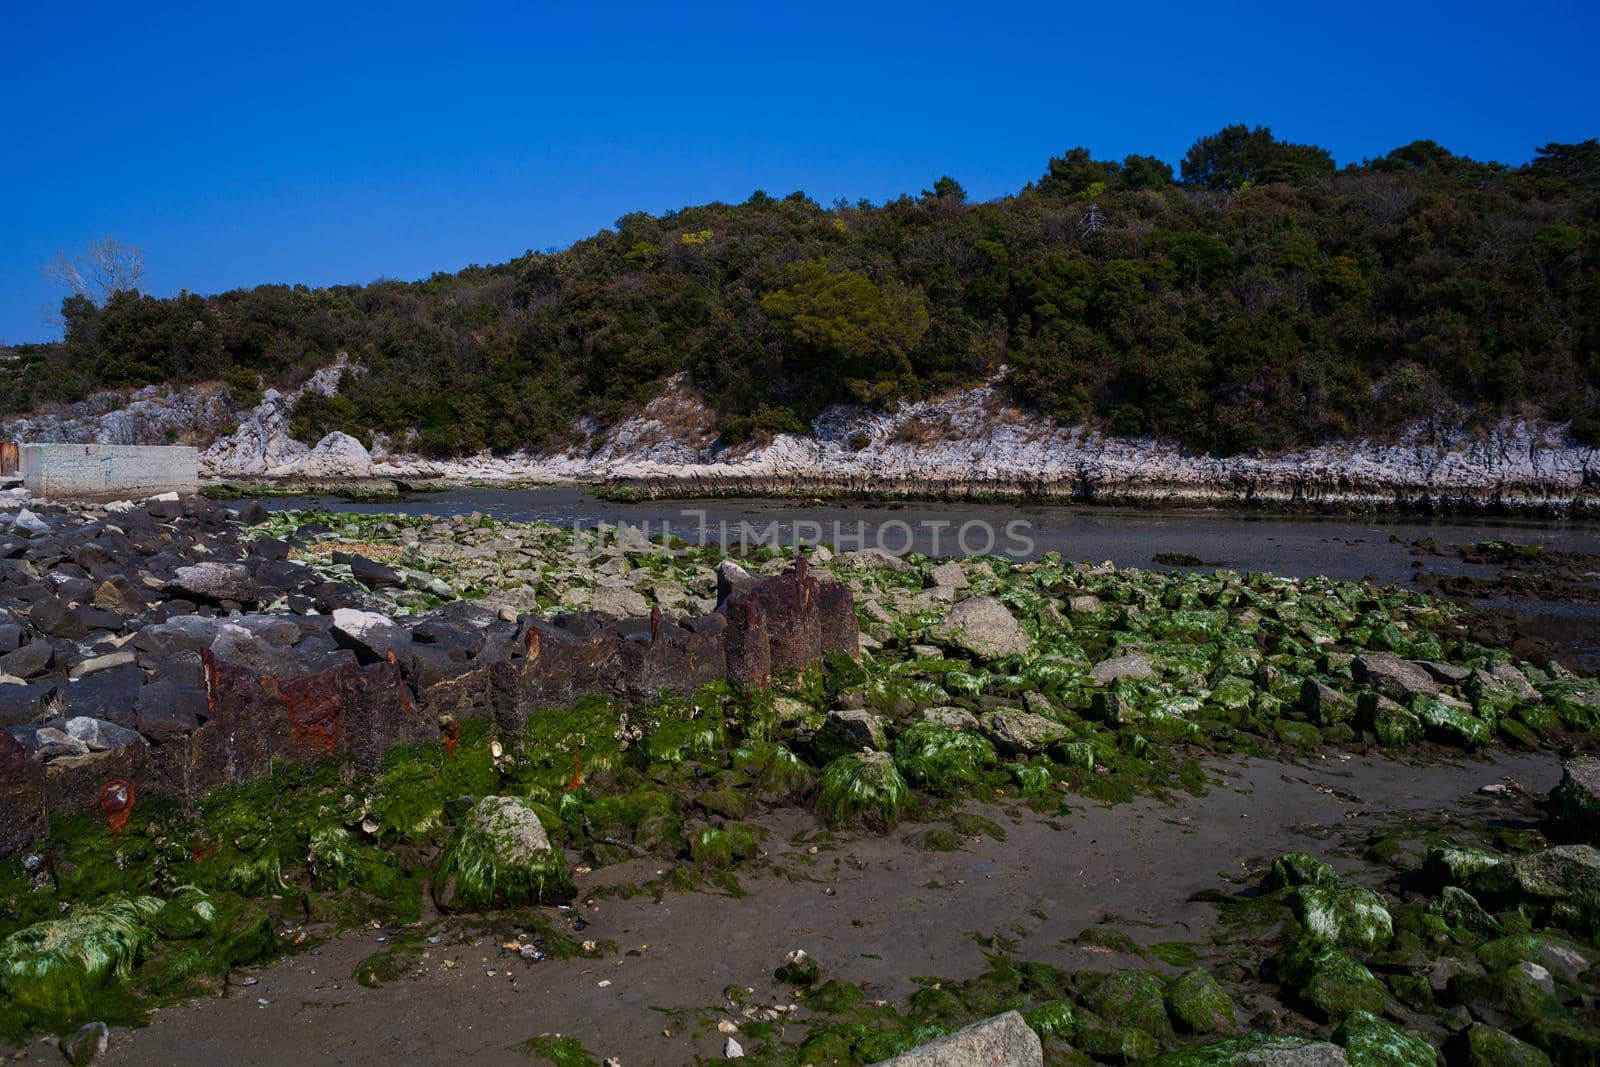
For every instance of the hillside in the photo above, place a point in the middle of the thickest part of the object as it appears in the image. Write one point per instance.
(1260, 299)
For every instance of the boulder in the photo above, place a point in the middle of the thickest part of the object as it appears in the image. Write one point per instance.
(948, 576)
(98, 735)
(1018, 732)
(368, 634)
(849, 730)
(22, 704)
(338, 455)
(1575, 803)
(29, 660)
(1396, 678)
(167, 710)
(111, 695)
(618, 601)
(983, 627)
(1132, 666)
(500, 856)
(216, 583)
(1000, 1041)
(374, 575)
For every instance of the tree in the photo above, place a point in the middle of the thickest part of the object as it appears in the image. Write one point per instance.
(1237, 155)
(103, 269)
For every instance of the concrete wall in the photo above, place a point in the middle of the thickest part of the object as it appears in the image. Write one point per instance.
(109, 472)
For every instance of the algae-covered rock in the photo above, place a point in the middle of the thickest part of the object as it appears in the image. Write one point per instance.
(1506, 997)
(1057, 1020)
(54, 968)
(1483, 874)
(1369, 1041)
(1451, 725)
(1197, 1004)
(1116, 1044)
(942, 760)
(1132, 999)
(864, 786)
(499, 856)
(1559, 874)
(1296, 869)
(1327, 980)
(187, 913)
(1461, 910)
(1018, 732)
(1487, 1046)
(1348, 916)
(1258, 1050)
(86, 1044)
(1575, 803)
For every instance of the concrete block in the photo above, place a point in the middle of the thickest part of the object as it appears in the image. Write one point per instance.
(109, 472)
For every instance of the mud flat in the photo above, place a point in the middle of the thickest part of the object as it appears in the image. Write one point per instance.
(873, 911)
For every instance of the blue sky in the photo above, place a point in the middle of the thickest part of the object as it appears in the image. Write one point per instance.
(242, 144)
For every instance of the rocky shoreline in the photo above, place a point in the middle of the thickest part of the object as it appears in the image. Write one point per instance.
(972, 444)
(411, 721)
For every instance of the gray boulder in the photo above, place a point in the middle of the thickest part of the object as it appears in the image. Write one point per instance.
(1000, 1041)
(1396, 678)
(1132, 666)
(1016, 731)
(216, 582)
(981, 626)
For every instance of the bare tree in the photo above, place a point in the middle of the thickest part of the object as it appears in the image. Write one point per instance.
(103, 268)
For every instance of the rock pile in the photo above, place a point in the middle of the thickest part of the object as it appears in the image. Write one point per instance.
(136, 659)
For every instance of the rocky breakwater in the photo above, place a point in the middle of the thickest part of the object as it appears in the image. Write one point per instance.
(151, 653)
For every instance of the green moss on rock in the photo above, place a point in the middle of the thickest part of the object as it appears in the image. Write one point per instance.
(54, 969)
(1348, 916)
(943, 760)
(1327, 980)
(1371, 1042)
(1197, 1004)
(499, 856)
(862, 786)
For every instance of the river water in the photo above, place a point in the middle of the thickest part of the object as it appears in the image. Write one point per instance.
(1339, 546)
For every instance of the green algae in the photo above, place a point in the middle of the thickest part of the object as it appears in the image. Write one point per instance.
(499, 856)
(863, 787)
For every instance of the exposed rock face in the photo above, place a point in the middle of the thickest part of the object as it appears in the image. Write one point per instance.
(972, 441)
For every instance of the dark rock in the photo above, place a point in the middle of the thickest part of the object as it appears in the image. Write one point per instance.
(253, 512)
(27, 661)
(22, 811)
(1575, 803)
(284, 576)
(57, 618)
(371, 573)
(168, 710)
(10, 636)
(20, 704)
(112, 695)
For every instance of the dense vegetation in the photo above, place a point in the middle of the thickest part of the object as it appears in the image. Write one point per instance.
(1261, 298)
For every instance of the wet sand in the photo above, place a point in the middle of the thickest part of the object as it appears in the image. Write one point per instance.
(873, 910)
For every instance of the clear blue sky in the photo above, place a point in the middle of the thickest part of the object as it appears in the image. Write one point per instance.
(248, 143)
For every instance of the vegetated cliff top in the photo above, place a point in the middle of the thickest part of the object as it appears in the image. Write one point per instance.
(1262, 298)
